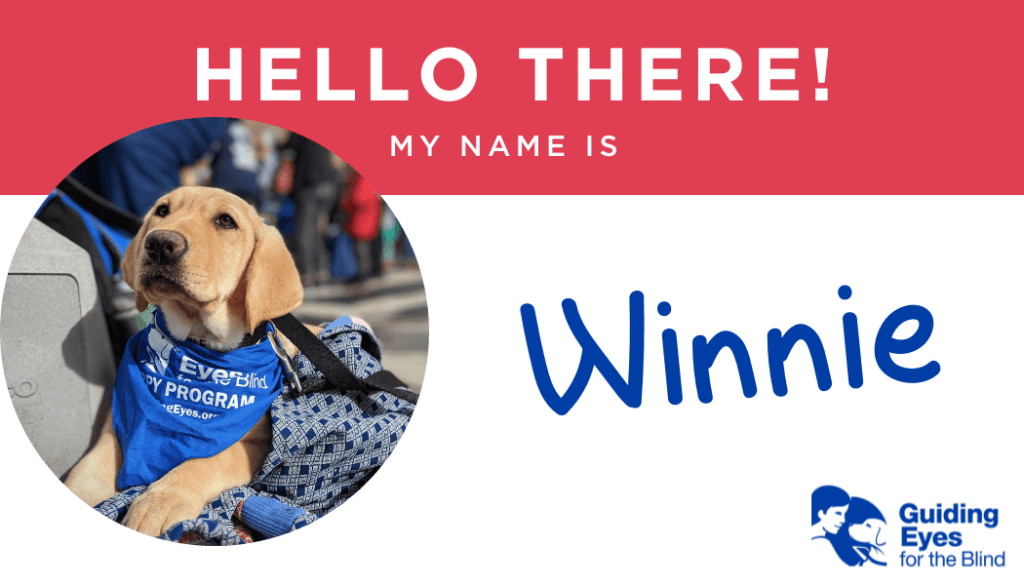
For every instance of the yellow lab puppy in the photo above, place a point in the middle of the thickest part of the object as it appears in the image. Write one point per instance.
(216, 271)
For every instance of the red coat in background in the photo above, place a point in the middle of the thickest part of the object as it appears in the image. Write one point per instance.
(363, 205)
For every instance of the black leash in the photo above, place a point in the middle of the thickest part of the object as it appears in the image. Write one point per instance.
(104, 210)
(336, 374)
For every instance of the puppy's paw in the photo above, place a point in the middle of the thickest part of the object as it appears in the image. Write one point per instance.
(157, 510)
(91, 487)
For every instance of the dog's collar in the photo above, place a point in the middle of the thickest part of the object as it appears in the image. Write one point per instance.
(249, 339)
(253, 338)
(154, 312)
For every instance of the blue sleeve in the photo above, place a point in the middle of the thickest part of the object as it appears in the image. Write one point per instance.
(268, 516)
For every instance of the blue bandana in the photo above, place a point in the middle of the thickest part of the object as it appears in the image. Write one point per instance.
(176, 400)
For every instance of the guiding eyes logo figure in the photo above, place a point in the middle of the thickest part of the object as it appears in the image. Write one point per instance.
(159, 350)
(854, 527)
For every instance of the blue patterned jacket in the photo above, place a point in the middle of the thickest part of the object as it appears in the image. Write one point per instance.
(326, 446)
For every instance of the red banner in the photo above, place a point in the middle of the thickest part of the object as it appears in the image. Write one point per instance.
(920, 98)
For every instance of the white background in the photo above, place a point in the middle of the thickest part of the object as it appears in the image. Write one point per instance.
(490, 485)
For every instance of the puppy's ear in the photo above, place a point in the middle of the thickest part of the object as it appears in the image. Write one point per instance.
(272, 287)
(130, 263)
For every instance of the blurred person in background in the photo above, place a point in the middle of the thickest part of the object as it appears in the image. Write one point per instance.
(138, 169)
(318, 177)
(247, 160)
(362, 207)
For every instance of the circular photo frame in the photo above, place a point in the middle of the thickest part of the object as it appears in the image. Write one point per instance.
(214, 331)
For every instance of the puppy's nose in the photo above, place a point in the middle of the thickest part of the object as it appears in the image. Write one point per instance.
(163, 246)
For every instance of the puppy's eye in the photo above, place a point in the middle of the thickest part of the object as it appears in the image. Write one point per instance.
(225, 221)
(162, 210)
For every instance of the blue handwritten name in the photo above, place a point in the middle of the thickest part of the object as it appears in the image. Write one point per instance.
(705, 352)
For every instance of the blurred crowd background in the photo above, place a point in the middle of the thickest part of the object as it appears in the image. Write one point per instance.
(335, 223)
(351, 252)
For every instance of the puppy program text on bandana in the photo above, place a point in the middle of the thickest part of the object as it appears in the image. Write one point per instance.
(176, 400)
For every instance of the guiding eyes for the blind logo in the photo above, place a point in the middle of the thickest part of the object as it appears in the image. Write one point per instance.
(852, 527)
(159, 351)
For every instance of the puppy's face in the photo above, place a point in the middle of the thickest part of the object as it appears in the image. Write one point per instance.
(204, 255)
(195, 248)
